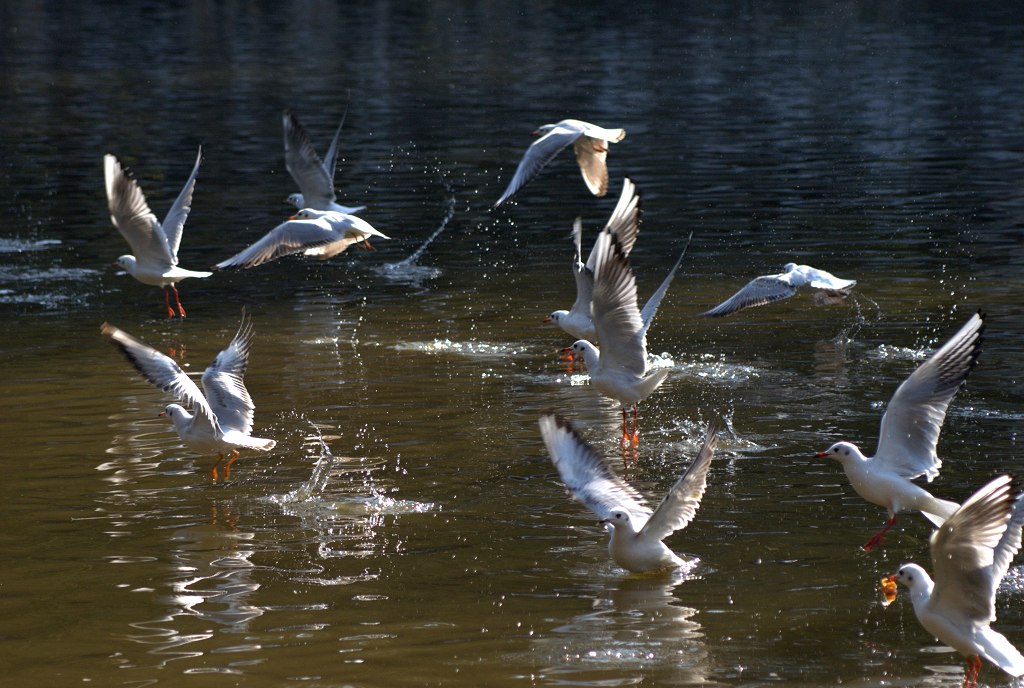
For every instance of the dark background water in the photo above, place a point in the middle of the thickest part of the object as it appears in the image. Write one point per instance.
(408, 529)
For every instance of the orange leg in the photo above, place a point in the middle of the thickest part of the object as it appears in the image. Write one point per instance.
(625, 431)
(177, 299)
(636, 435)
(973, 669)
(876, 539)
(170, 311)
(231, 460)
(213, 471)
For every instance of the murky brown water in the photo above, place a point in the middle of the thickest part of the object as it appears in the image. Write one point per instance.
(409, 529)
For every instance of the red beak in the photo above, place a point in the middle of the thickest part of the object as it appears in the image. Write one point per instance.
(821, 455)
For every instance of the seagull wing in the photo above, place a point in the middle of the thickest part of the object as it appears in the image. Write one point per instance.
(757, 292)
(131, 215)
(331, 161)
(538, 155)
(680, 505)
(162, 372)
(174, 223)
(305, 166)
(224, 385)
(650, 308)
(581, 273)
(624, 221)
(588, 477)
(964, 550)
(288, 237)
(616, 315)
(913, 419)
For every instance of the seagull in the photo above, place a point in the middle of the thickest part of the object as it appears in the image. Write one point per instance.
(318, 233)
(315, 177)
(828, 289)
(155, 246)
(590, 143)
(624, 223)
(971, 553)
(636, 533)
(223, 417)
(909, 434)
(619, 369)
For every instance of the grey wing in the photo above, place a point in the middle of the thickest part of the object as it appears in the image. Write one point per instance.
(650, 308)
(287, 238)
(624, 221)
(224, 385)
(305, 166)
(131, 215)
(913, 419)
(680, 505)
(583, 276)
(1010, 542)
(591, 154)
(588, 477)
(616, 315)
(537, 156)
(963, 551)
(821, 279)
(161, 371)
(758, 292)
(331, 160)
(174, 223)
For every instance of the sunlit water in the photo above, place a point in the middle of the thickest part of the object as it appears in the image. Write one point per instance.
(408, 529)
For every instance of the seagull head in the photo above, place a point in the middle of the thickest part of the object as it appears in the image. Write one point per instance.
(789, 267)
(555, 317)
(841, 452)
(126, 263)
(178, 415)
(915, 578)
(297, 200)
(308, 214)
(619, 518)
(543, 129)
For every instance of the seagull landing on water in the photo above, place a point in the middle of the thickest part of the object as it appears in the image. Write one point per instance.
(828, 289)
(316, 233)
(909, 434)
(314, 177)
(625, 224)
(619, 369)
(971, 553)
(590, 142)
(222, 420)
(636, 532)
(154, 246)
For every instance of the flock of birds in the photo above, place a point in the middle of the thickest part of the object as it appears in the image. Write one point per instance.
(971, 548)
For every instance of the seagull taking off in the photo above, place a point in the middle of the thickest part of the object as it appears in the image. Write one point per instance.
(314, 177)
(222, 423)
(317, 233)
(971, 553)
(590, 142)
(828, 289)
(910, 433)
(636, 532)
(154, 246)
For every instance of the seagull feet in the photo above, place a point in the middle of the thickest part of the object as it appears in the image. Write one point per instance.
(231, 460)
(973, 669)
(876, 539)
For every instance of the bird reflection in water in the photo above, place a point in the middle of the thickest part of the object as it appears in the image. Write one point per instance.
(635, 623)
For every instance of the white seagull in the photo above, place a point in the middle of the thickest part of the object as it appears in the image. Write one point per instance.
(222, 423)
(828, 289)
(318, 233)
(624, 223)
(314, 177)
(619, 369)
(910, 432)
(590, 143)
(971, 553)
(155, 246)
(636, 532)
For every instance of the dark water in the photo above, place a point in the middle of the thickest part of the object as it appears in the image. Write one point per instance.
(408, 529)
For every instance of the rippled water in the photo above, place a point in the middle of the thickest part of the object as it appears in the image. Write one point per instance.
(408, 529)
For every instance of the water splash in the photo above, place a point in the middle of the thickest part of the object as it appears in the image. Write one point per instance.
(408, 269)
